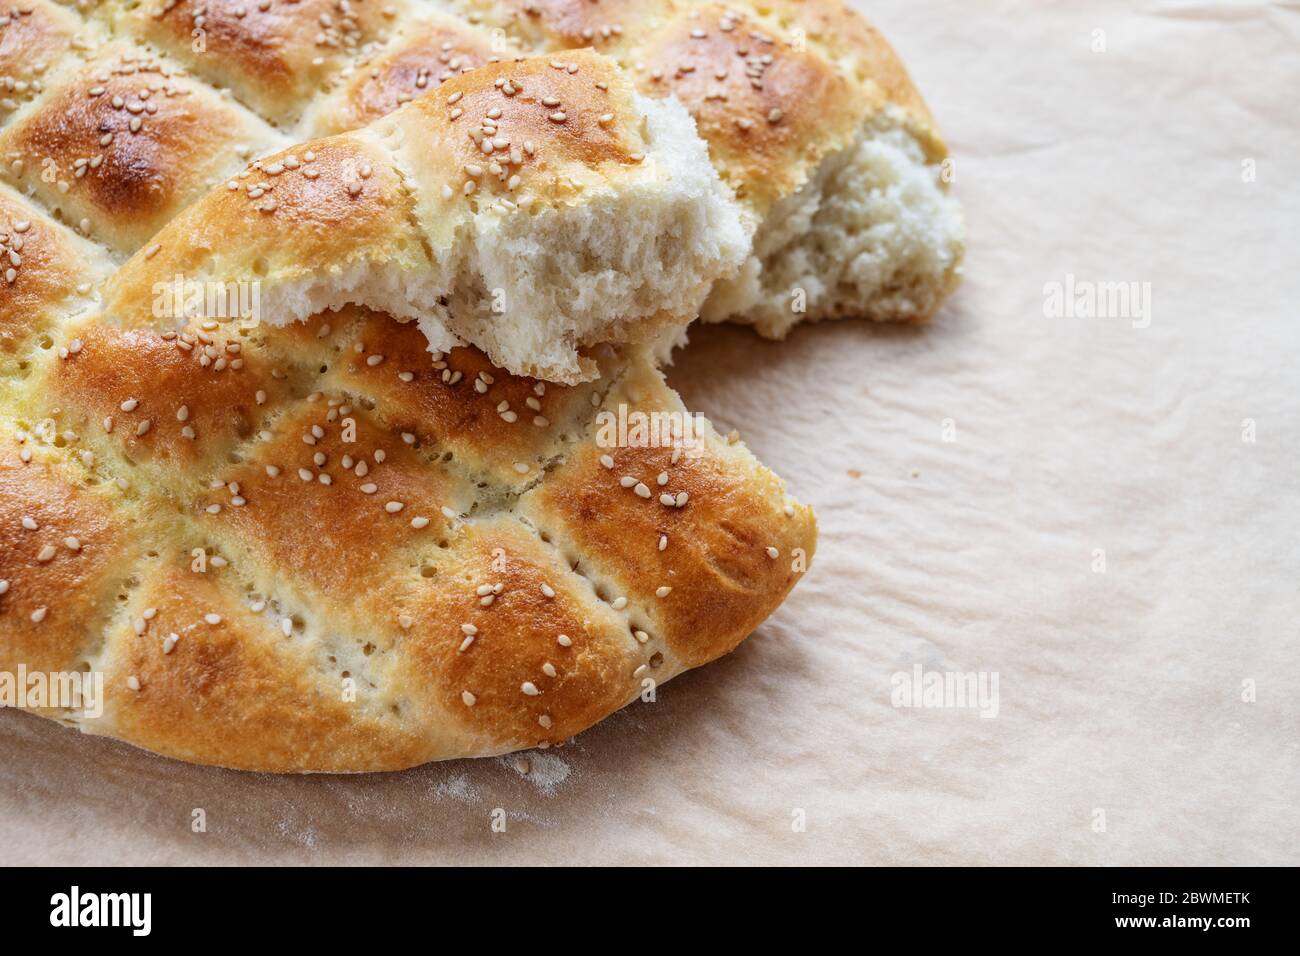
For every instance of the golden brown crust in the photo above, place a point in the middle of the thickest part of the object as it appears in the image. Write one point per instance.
(273, 54)
(700, 570)
(458, 393)
(45, 272)
(121, 144)
(604, 25)
(173, 399)
(35, 36)
(310, 209)
(232, 690)
(525, 685)
(769, 111)
(297, 497)
(575, 112)
(426, 53)
(846, 37)
(65, 554)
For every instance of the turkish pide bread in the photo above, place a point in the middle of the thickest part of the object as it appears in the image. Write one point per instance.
(323, 539)
(283, 555)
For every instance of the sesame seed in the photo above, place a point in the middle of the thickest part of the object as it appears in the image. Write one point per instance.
(642, 490)
(47, 553)
(30, 524)
(38, 615)
(663, 541)
(419, 522)
(529, 688)
(465, 695)
(464, 645)
(545, 721)
(627, 481)
(607, 461)
(549, 669)
(369, 488)
(169, 643)
(619, 603)
(469, 629)
(663, 591)
(564, 640)
(213, 619)
(130, 405)
(548, 591)
(641, 636)
(393, 507)
(773, 553)
(133, 682)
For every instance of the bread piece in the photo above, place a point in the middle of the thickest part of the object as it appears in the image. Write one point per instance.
(531, 208)
(464, 577)
(813, 121)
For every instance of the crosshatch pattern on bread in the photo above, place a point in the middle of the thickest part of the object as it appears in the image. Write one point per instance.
(183, 511)
(317, 548)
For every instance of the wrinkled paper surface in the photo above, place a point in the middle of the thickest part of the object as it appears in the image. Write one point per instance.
(970, 478)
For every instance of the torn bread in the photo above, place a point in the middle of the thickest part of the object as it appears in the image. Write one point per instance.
(810, 116)
(530, 208)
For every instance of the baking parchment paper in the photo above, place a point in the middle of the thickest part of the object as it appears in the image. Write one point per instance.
(1102, 512)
